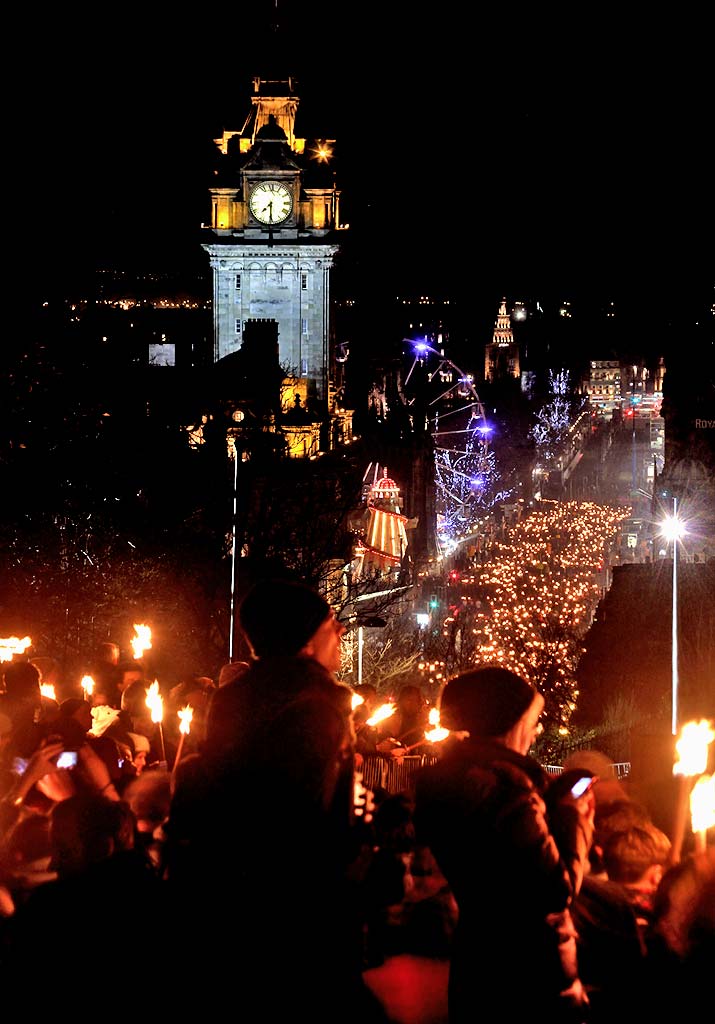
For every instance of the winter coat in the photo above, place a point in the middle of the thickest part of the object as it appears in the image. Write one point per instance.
(261, 842)
(514, 871)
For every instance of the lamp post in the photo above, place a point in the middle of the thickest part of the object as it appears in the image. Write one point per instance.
(673, 529)
(232, 612)
(361, 643)
(372, 622)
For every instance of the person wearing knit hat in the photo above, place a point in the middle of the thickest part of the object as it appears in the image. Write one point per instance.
(285, 618)
(487, 702)
(513, 867)
(281, 621)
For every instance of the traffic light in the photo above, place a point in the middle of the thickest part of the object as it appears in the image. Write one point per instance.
(433, 601)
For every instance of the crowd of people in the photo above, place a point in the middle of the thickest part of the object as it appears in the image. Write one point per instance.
(249, 852)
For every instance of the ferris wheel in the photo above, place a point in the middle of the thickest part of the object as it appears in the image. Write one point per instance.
(446, 402)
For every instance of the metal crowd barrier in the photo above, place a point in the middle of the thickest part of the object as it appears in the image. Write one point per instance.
(621, 769)
(393, 774)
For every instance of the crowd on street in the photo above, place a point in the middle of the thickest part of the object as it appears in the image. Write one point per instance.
(242, 851)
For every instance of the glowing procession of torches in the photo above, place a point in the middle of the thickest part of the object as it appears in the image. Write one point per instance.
(141, 642)
(692, 750)
(542, 590)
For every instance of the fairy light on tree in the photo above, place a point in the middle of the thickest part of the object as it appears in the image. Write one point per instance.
(468, 482)
(442, 400)
(554, 418)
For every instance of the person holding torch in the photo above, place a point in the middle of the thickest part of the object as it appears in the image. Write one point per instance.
(138, 717)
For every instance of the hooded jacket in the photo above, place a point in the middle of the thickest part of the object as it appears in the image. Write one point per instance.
(514, 871)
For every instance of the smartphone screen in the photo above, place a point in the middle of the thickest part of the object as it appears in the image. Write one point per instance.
(67, 759)
(580, 787)
(19, 765)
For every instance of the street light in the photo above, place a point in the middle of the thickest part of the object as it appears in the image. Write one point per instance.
(373, 622)
(673, 529)
(232, 613)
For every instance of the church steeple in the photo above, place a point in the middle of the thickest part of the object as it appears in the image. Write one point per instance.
(502, 329)
(502, 355)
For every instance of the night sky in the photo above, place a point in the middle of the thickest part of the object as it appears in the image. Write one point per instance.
(518, 153)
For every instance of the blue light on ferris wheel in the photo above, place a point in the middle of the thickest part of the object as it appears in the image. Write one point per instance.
(485, 429)
(421, 347)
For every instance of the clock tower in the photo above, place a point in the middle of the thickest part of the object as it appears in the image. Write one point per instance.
(273, 237)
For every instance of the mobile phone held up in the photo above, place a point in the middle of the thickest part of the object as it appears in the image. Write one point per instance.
(582, 786)
(67, 759)
(574, 782)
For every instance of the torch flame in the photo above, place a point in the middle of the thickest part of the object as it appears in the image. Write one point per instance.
(10, 645)
(692, 747)
(87, 684)
(383, 712)
(142, 641)
(185, 716)
(48, 690)
(155, 702)
(437, 732)
(356, 701)
(702, 803)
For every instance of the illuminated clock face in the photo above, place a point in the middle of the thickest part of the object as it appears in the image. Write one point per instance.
(270, 202)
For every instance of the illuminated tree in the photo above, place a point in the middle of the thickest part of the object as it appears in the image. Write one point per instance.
(469, 482)
(554, 418)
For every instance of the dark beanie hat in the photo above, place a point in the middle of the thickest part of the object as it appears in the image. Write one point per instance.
(485, 702)
(279, 617)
